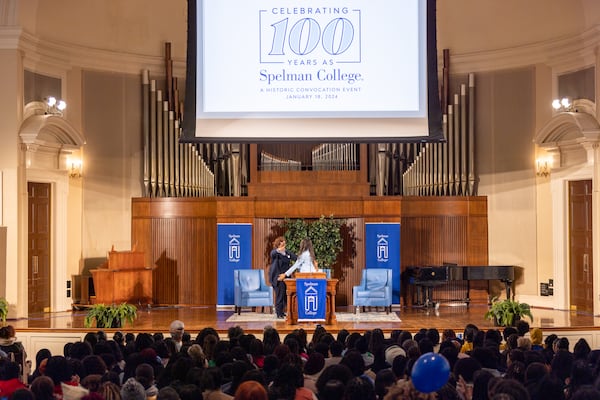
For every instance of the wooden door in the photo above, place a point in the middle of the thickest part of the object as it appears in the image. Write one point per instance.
(38, 278)
(580, 245)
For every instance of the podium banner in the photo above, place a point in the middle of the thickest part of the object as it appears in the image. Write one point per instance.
(234, 251)
(312, 299)
(382, 250)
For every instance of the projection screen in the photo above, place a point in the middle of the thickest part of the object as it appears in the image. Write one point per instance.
(276, 70)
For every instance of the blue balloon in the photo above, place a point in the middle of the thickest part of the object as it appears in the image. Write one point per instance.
(430, 372)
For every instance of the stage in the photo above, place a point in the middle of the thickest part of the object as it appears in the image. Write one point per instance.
(54, 330)
(158, 318)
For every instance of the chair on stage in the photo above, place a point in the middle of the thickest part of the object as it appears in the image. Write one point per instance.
(374, 290)
(251, 290)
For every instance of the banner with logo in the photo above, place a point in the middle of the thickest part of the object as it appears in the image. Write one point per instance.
(383, 251)
(234, 251)
(312, 299)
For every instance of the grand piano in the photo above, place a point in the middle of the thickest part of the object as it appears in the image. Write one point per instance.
(424, 278)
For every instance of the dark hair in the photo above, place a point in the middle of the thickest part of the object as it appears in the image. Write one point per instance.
(22, 394)
(359, 388)
(354, 360)
(466, 367)
(58, 369)
(581, 349)
(399, 366)
(335, 372)
(383, 380)
(43, 388)
(189, 392)
(212, 378)
(512, 387)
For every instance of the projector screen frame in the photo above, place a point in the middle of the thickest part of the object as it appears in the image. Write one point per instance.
(434, 112)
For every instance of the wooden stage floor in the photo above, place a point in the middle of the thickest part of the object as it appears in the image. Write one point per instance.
(157, 319)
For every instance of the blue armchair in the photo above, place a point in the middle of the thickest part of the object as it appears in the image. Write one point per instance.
(375, 289)
(251, 290)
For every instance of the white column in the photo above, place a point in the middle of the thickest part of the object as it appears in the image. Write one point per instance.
(14, 189)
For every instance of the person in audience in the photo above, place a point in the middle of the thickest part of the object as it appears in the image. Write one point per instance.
(384, 379)
(522, 328)
(581, 350)
(10, 380)
(513, 388)
(13, 348)
(469, 336)
(312, 369)
(251, 390)
(23, 394)
(110, 391)
(177, 329)
(41, 358)
(43, 388)
(132, 390)
(537, 339)
(144, 374)
(211, 382)
(359, 388)
(60, 370)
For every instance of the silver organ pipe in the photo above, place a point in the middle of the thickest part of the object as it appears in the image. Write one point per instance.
(448, 169)
(171, 168)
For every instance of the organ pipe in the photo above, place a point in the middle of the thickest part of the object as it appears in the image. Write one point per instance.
(463, 139)
(152, 145)
(471, 168)
(146, 130)
(447, 168)
(171, 168)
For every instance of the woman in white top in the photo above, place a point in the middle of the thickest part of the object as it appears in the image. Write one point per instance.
(306, 261)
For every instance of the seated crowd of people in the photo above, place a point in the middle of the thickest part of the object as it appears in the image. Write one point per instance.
(515, 363)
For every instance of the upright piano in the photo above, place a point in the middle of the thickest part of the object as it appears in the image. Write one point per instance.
(424, 278)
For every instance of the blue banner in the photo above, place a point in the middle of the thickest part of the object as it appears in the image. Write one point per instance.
(234, 251)
(312, 299)
(383, 251)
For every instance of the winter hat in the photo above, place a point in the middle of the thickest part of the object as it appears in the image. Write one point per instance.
(132, 390)
(392, 352)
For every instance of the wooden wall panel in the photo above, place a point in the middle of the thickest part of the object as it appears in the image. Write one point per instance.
(179, 236)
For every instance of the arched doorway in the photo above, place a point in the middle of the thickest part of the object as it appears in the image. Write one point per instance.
(49, 142)
(572, 139)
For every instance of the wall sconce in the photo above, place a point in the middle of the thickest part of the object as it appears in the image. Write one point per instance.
(75, 168)
(54, 106)
(543, 167)
(563, 105)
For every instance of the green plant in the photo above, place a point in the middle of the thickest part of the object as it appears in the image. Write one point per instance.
(3, 309)
(112, 316)
(325, 234)
(507, 312)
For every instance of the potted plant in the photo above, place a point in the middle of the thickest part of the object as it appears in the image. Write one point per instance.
(507, 312)
(3, 309)
(325, 234)
(113, 316)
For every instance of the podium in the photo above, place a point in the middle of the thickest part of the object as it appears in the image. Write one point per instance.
(292, 297)
(124, 278)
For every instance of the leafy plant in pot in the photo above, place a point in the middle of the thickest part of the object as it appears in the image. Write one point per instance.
(3, 309)
(325, 234)
(112, 316)
(507, 312)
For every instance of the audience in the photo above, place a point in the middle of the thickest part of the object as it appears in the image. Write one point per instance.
(513, 364)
